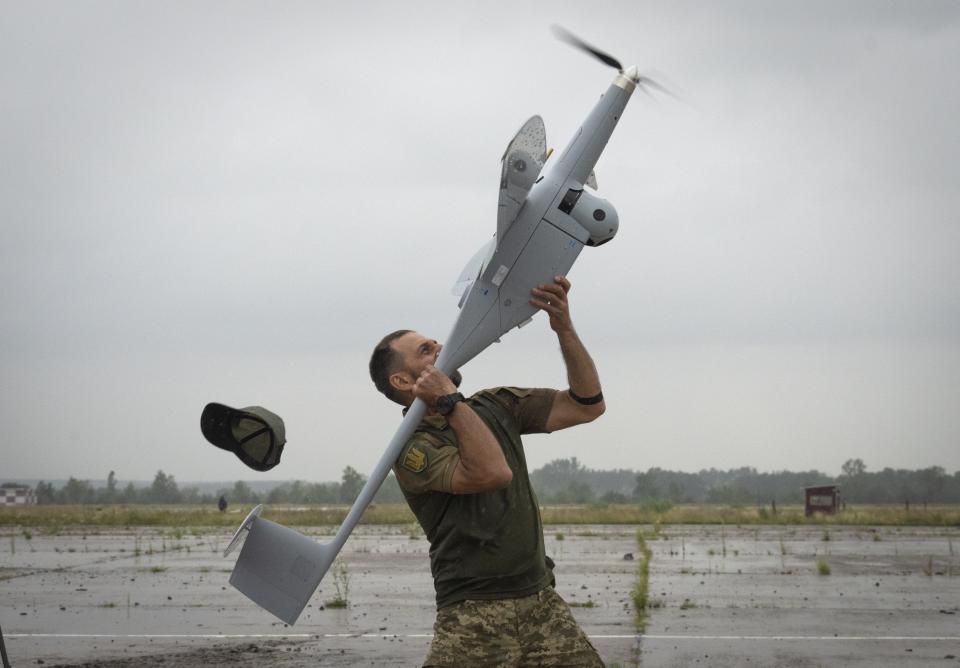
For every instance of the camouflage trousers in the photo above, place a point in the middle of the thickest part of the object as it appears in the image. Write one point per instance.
(536, 630)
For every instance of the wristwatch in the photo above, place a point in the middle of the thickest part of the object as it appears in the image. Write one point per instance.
(446, 403)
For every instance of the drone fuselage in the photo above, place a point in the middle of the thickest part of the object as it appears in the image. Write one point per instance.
(556, 220)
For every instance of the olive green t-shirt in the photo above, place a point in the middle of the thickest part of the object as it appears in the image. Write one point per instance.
(487, 545)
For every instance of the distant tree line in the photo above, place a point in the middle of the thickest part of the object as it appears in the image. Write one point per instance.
(346, 491)
(568, 481)
(164, 489)
(563, 481)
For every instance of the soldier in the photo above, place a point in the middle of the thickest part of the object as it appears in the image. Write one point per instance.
(464, 475)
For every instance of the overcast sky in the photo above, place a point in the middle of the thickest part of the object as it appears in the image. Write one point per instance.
(234, 201)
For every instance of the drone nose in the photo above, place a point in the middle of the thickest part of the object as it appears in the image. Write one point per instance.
(632, 73)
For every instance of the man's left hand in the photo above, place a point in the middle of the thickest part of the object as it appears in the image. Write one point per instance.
(552, 298)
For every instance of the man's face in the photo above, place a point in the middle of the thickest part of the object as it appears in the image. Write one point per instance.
(417, 351)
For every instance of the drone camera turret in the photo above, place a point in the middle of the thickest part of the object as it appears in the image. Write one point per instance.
(594, 214)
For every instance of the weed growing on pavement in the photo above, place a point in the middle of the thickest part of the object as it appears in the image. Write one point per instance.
(341, 582)
(640, 591)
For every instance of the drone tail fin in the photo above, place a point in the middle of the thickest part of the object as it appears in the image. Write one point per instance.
(279, 568)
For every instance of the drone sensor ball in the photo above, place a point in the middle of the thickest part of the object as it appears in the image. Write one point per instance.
(594, 214)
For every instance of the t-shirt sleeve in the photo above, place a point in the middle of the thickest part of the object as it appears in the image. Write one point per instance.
(530, 406)
(424, 466)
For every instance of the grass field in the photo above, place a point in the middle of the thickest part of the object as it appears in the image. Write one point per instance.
(53, 518)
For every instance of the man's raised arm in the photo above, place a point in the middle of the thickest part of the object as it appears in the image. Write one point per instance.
(584, 401)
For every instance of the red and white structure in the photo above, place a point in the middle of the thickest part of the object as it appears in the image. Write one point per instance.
(12, 494)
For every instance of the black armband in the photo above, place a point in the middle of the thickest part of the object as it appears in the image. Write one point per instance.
(586, 401)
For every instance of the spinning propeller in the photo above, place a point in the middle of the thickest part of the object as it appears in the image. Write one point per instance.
(631, 72)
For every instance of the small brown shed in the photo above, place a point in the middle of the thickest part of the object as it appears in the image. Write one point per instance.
(822, 499)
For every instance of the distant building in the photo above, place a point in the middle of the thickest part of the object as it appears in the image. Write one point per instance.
(822, 499)
(14, 494)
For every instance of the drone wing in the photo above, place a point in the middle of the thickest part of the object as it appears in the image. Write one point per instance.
(520, 166)
(474, 268)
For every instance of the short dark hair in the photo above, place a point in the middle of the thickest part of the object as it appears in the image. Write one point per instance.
(384, 362)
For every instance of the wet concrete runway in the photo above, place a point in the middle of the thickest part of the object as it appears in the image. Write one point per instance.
(146, 597)
(722, 596)
(754, 596)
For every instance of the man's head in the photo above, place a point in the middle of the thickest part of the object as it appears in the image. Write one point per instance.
(399, 359)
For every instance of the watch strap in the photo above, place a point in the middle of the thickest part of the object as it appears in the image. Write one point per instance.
(445, 404)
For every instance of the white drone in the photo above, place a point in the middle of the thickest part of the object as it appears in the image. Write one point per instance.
(544, 219)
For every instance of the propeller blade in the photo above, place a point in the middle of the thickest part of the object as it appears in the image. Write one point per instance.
(571, 39)
(647, 82)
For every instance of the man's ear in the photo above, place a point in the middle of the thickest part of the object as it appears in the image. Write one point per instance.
(401, 381)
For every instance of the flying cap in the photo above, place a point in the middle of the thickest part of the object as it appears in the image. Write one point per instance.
(253, 434)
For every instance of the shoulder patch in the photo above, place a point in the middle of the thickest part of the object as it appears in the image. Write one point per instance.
(415, 459)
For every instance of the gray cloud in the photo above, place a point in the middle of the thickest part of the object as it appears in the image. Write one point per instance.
(184, 185)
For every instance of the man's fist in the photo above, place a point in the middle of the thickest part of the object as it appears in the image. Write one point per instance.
(433, 384)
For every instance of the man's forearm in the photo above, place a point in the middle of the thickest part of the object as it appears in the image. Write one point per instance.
(482, 464)
(582, 374)
(478, 446)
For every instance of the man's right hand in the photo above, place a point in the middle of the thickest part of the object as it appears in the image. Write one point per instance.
(433, 384)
